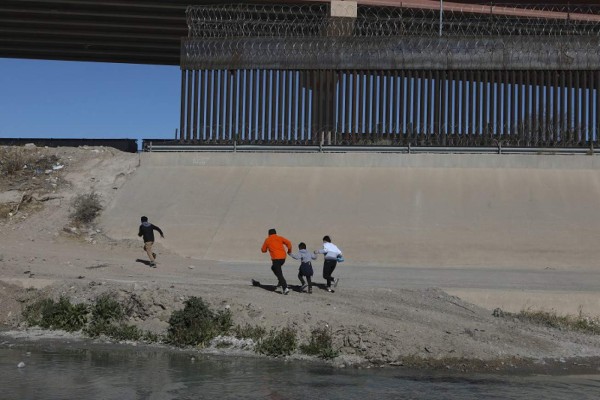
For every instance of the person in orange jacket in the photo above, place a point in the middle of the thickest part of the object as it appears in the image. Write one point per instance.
(275, 244)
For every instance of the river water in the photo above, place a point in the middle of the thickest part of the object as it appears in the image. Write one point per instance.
(66, 371)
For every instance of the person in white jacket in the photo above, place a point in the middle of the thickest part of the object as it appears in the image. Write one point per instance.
(331, 252)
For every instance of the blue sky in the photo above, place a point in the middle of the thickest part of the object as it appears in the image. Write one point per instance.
(66, 99)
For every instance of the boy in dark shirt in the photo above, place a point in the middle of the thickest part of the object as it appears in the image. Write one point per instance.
(147, 231)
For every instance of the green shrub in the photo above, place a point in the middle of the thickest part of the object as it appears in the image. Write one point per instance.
(86, 207)
(107, 309)
(61, 314)
(249, 332)
(278, 343)
(320, 345)
(196, 324)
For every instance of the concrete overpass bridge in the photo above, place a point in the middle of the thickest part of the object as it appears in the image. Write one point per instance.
(420, 72)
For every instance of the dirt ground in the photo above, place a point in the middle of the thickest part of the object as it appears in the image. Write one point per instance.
(43, 254)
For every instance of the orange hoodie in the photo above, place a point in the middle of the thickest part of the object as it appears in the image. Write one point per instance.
(274, 243)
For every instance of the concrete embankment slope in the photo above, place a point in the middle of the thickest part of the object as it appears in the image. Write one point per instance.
(381, 209)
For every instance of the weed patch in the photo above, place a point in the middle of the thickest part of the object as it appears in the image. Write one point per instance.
(61, 314)
(249, 332)
(278, 343)
(579, 323)
(86, 207)
(320, 345)
(196, 324)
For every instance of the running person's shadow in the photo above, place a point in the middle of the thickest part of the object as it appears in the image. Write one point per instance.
(145, 262)
(273, 288)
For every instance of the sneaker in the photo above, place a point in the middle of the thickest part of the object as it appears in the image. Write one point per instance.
(153, 264)
(335, 282)
(255, 283)
(330, 290)
(154, 255)
(286, 291)
(309, 290)
(303, 287)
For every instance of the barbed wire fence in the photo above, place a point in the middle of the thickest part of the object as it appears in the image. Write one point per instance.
(479, 38)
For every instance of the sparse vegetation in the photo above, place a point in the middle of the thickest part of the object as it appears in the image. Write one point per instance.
(86, 207)
(61, 314)
(13, 160)
(580, 323)
(196, 324)
(320, 345)
(248, 331)
(106, 318)
(278, 343)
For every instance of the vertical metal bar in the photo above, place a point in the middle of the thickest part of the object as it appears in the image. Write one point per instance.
(548, 103)
(394, 104)
(597, 97)
(590, 105)
(485, 106)
(323, 99)
(383, 91)
(284, 102)
(314, 119)
(228, 117)
(234, 104)
(273, 130)
(437, 101)
(189, 95)
(516, 105)
(360, 97)
(527, 110)
(301, 106)
(258, 105)
(584, 105)
(506, 108)
(182, 111)
(217, 102)
(452, 103)
(201, 92)
(535, 119)
(493, 103)
(327, 104)
(478, 97)
(556, 123)
(563, 107)
(353, 129)
(294, 108)
(245, 84)
(464, 104)
(410, 104)
(401, 112)
(195, 119)
(569, 105)
(210, 101)
(421, 93)
(223, 103)
(577, 101)
(368, 102)
(472, 106)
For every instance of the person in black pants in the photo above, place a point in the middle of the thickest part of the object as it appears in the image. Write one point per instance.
(147, 231)
(331, 252)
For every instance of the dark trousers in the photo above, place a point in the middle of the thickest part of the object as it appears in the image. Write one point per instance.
(328, 267)
(308, 279)
(276, 268)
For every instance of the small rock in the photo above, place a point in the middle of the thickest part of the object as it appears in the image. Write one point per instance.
(191, 267)
(21, 365)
